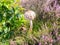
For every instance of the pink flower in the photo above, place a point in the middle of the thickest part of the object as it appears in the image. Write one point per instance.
(39, 43)
(46, 9)
(58, 11)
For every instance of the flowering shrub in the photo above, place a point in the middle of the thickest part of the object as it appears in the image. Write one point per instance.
(47, 15)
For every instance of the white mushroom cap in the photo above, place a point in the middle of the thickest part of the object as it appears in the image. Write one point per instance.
(30, 15)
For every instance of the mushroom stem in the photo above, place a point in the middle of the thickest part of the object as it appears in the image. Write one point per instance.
(31, 24)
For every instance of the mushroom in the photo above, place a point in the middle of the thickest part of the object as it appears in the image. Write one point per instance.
(30, 15)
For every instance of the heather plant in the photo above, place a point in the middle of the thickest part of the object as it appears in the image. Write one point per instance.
(47, 13)
(42, 6)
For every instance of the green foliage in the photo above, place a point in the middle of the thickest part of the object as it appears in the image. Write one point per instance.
(10, 18)
(4, 43)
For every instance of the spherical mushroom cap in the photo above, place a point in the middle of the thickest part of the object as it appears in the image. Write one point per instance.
(30, 15)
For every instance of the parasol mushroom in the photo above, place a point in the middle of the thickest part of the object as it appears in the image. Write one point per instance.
(30, 15)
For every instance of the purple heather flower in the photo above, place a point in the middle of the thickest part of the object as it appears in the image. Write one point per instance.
(58, 11)
(46, 9)
(58, 38)
(39, 43)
